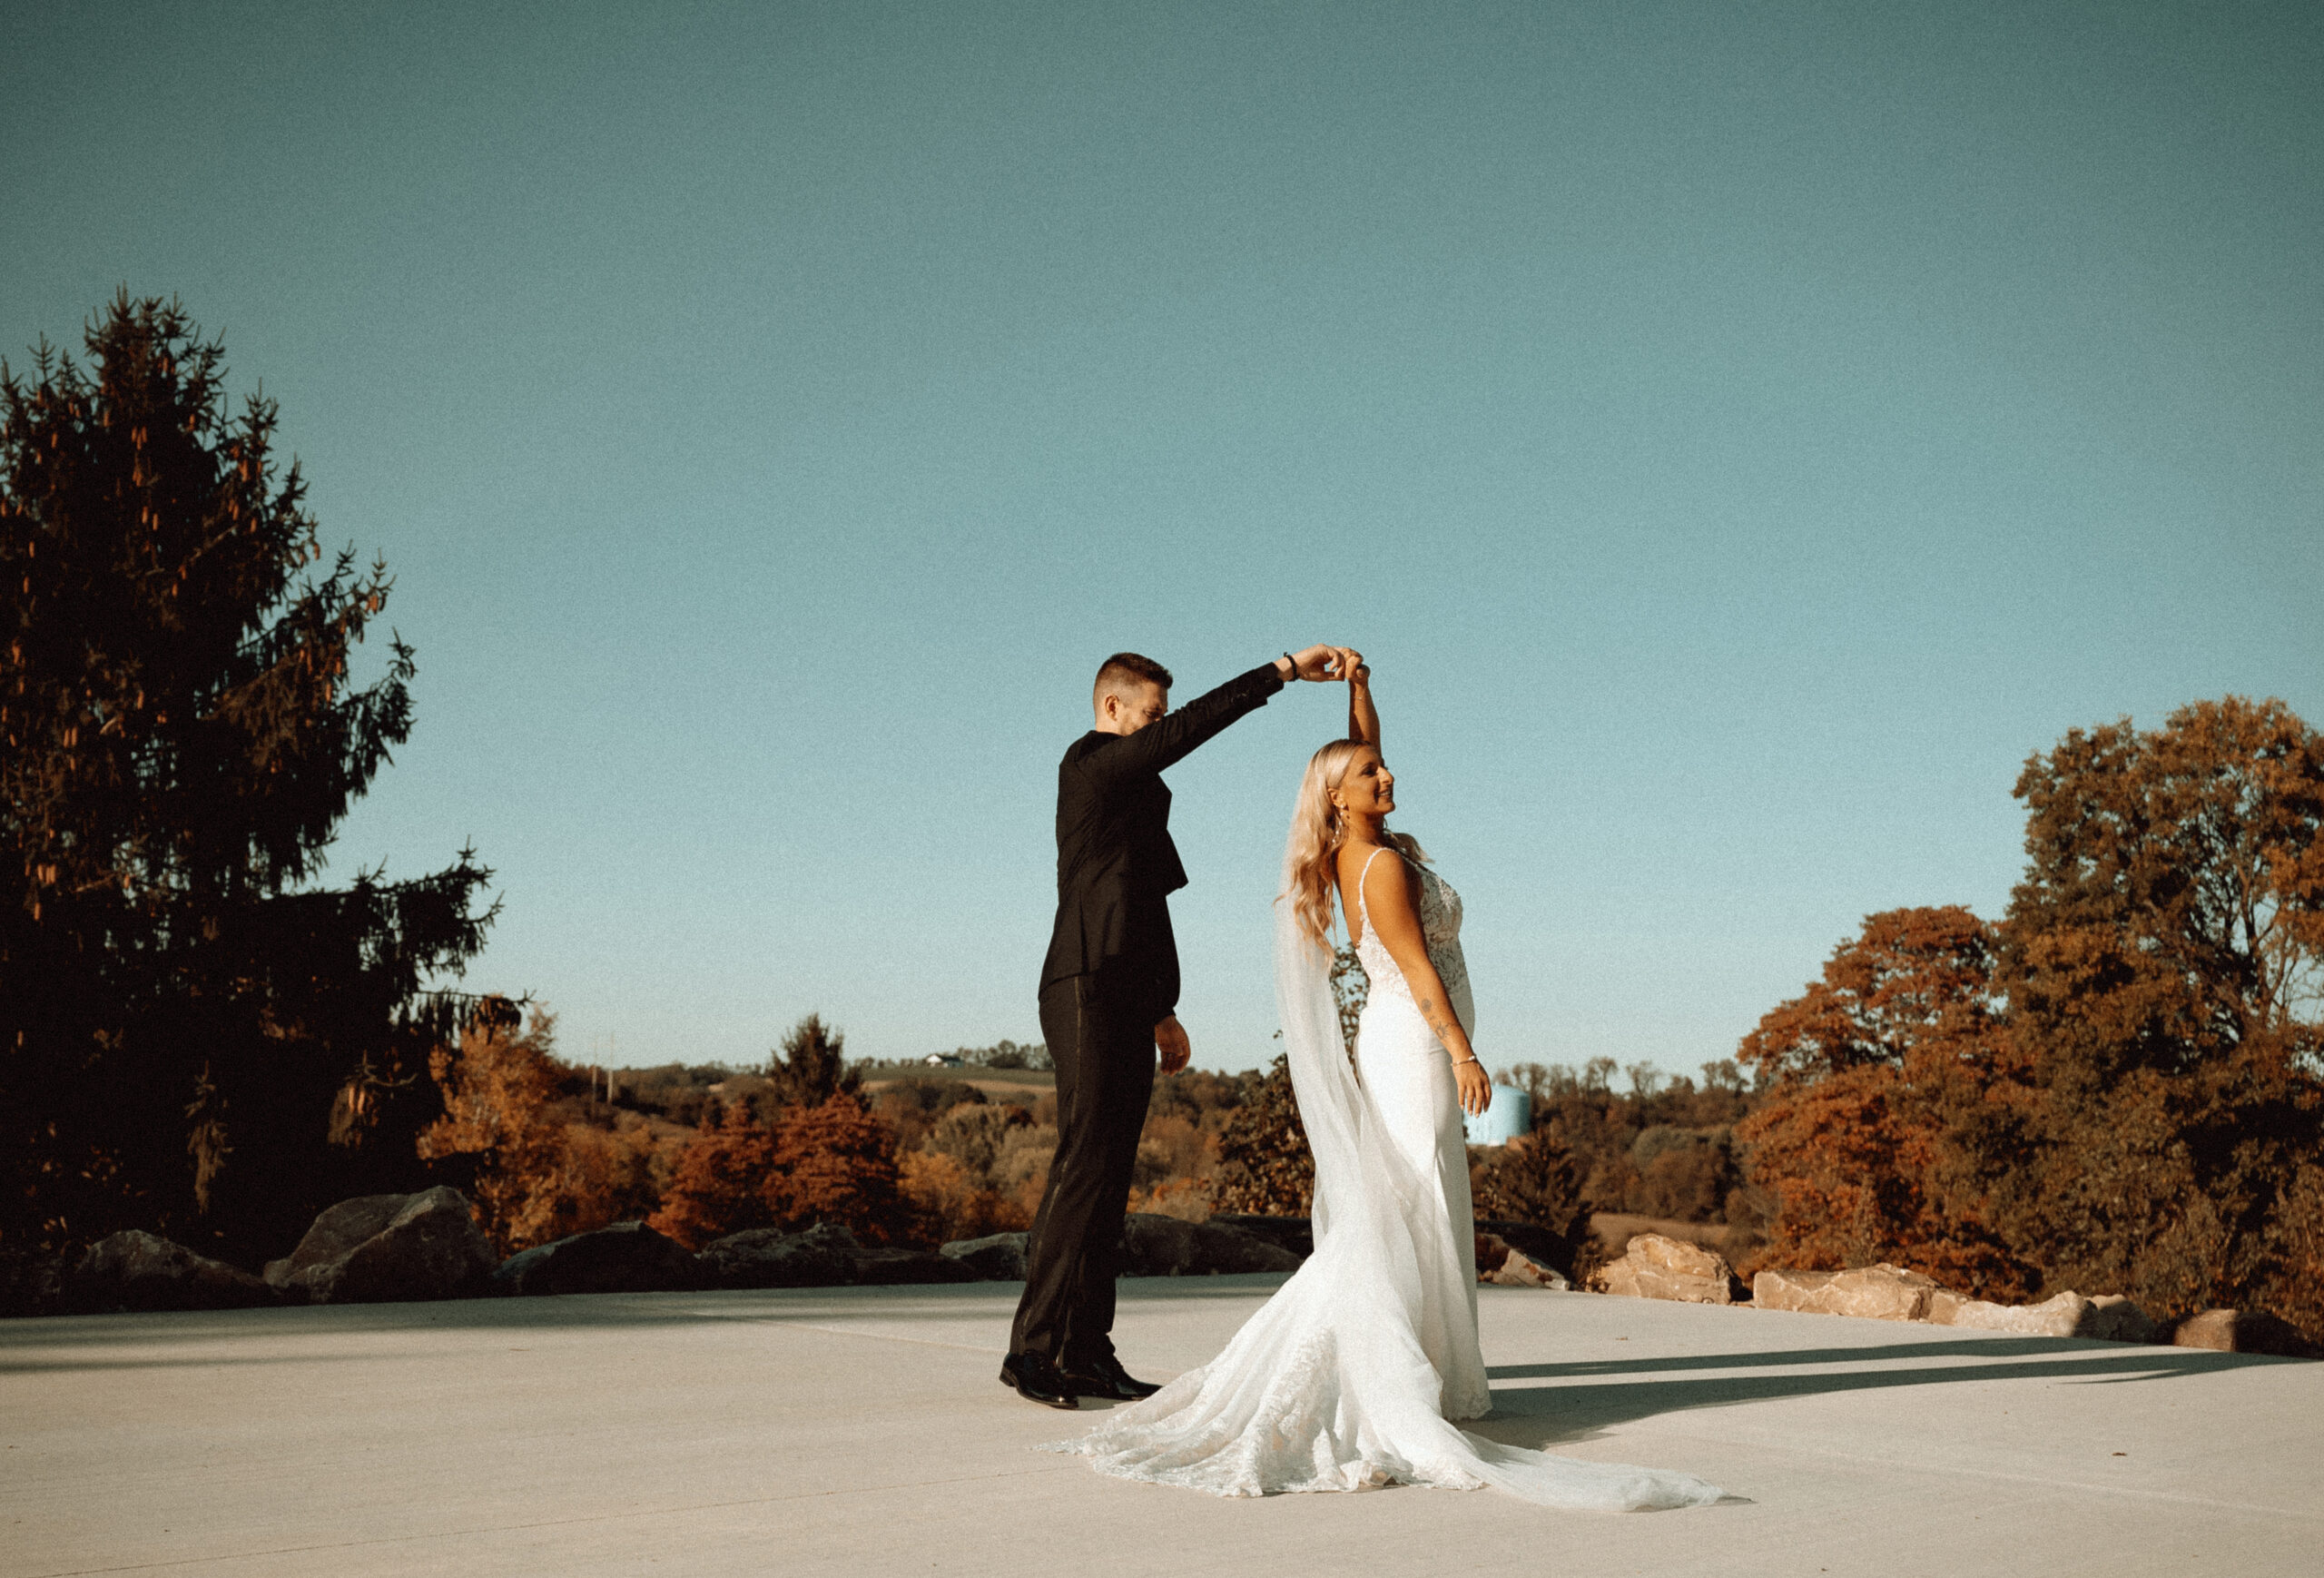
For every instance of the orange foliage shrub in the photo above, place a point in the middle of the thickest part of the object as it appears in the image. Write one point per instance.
(1187, 1198)
(836, 1163)
(605, 1176)
(540, 1175)
(1173, 1148)
(952, 1202)
(1022, 1170)
(1881, 1075)
(722, 1183)
(496, 1086)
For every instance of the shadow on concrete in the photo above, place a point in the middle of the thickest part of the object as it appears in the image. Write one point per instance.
(1957, 1348)
(111, 1341)
(1592, 1397)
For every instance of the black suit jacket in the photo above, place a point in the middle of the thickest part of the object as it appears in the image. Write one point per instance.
(1115, 861)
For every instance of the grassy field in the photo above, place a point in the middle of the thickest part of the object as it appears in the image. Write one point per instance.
(989, 1080)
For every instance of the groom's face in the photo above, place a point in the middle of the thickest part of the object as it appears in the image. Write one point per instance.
(1129, 708)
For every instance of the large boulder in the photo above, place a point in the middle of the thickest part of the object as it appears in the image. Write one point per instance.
(1654, 1267)
(996, 1257)
(626, 1257)
(2243, 1331)
(142, 1271)
(1159, 1246)
(2113, 1318)
(1296, 1234)
(1536, 1242)
(1505, 1266)
(390, 1250)
(2109, 1317)
(2064, 1316)
(822, 1257)
(1881, 1292)
(901, 1267)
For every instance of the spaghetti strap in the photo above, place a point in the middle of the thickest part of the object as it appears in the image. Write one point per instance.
(1377, 852)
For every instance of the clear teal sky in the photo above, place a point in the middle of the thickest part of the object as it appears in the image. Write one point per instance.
(1738, 434)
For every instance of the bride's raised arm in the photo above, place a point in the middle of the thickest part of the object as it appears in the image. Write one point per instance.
(1363, 717)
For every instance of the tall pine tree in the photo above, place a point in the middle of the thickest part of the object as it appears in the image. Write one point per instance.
(196, 1036)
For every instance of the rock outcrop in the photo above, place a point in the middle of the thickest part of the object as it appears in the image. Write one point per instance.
(2241, 1331)
(142, 1271)
(1538, 1243)
(903, 1268)
(1654, 1267)
(2063, 1316)
(626, 1257)
(1886, 1292)
(996, 1257)
(771, 1257)
(1159, 1246)
(823, 1255)
(1296, 1234)
(1504, 1266)
(2109, 1317)
(390, 1250)
(1881, 1292)
(2113, 1318)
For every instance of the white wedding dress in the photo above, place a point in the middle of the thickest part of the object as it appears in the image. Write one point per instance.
(1347, 1379)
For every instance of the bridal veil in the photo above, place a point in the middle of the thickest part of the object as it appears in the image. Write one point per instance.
(1332, 1384)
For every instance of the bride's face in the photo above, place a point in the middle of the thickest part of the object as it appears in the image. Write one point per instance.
(1368, 789)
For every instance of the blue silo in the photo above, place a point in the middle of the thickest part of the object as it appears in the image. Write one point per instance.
(1509, 1116)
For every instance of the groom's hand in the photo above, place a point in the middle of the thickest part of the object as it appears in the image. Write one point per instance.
(1319, 662)
(1170, 1040)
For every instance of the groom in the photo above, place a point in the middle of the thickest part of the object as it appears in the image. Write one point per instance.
(1110, 991)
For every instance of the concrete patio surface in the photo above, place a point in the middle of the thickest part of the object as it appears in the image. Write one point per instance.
(862, 1430)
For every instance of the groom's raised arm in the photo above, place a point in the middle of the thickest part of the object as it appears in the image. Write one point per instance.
(1173, 736)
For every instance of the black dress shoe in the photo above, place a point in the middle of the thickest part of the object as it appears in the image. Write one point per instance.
(1108, 1380)
(1037, 1379)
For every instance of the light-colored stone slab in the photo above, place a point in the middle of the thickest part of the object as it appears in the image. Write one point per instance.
(1881, 1292)
(1655, 1267)
(2063, 1316)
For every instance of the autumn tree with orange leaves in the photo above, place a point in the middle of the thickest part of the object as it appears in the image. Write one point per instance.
(833, 1162)
(2120, 1088)
(1879, 1076)
(836, 1162)
(2163, 961)
(723, 1181)
(497, 1084)
(535, 1172)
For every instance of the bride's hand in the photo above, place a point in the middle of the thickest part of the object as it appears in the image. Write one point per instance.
(1170, 1040)
(1319, 663)
(1476, 1091)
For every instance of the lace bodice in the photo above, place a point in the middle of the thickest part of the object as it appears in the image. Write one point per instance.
(1439, 930)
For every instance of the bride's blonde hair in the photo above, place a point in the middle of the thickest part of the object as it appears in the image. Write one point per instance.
(1317, 830)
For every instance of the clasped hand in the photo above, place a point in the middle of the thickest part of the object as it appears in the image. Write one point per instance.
(1326, 662)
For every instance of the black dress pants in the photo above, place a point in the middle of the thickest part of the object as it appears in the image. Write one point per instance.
(1103, 1044)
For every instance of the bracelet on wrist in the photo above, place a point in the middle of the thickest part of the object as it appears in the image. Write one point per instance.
(1294, 662)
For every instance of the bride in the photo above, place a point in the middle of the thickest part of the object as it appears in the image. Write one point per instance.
(1347, 1379)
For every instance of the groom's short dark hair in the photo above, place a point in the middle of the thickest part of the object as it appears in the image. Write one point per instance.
(1125, 669)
